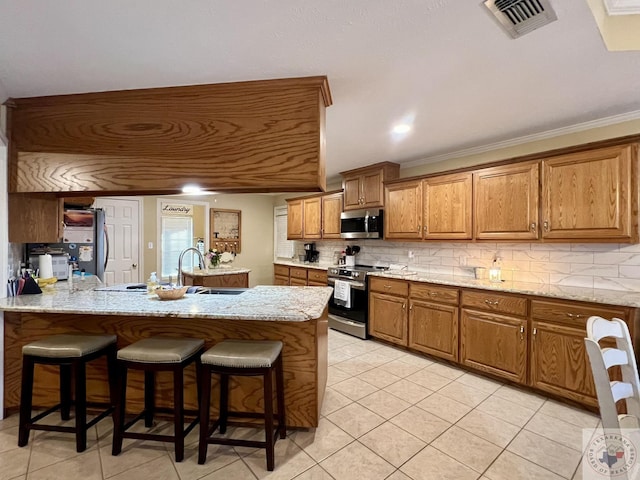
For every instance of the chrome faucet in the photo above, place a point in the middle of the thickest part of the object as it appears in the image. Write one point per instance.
(200, 257)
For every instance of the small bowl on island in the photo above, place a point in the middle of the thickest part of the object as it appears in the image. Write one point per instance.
(170, 293)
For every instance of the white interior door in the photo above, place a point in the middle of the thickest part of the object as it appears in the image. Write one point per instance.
(122, 218)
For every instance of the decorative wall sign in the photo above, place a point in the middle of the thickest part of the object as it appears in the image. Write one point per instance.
(181, 209)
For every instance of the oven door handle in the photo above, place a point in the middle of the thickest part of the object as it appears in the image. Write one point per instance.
(355, 285)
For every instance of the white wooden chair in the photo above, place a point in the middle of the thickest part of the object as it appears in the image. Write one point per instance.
(601, 359)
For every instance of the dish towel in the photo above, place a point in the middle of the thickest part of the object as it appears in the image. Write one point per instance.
(342, 293)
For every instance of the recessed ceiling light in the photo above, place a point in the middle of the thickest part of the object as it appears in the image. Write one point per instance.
(191, 189)
(401, 128)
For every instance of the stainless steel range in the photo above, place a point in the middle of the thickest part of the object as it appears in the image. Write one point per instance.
(349, 304)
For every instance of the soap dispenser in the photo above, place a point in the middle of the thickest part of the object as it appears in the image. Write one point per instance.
(152, 283)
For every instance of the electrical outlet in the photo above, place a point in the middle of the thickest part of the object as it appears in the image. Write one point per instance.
(410, 254)
(150, 245)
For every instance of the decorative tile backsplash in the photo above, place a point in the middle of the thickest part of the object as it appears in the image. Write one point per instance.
(609, 266)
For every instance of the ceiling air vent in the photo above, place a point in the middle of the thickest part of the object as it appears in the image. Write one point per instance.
(519, 17)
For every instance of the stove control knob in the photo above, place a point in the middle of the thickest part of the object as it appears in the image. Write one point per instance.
(356, 274)
(334, 271)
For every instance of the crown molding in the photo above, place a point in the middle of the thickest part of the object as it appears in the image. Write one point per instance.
(622, 7)
(579, 127)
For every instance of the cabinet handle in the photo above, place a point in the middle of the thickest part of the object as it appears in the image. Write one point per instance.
(425, 229)
(387, 287)
(411, 306)
(571, 315)
(419, 228)
(521, 332)
(533, 226)
(489, 302)
(546, 225)
(404, 306)
(433, 294)
(535, 331)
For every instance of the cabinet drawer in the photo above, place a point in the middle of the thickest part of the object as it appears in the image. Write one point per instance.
(426, 291)
(318, 276)
(493, 302)
(573, 313)
(296, 272)
(281, 270)
(391, 287)
(297, 282)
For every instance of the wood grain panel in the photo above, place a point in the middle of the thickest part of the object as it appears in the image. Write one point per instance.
(559, 362)
(281, 270)
(506, 202)
(298, 272)
(448, 203)
(389, 286)
(494, 302)
(434, 293)
(295, 219)
(318, 276)
(589, 195)
(331, 210)
(574, 314)
(34, 218)
(494, 344)
(433, 329)
(403, 210)
(304, 355)
(312, 219)
(388, 318)
(260, 136)
(222, 281)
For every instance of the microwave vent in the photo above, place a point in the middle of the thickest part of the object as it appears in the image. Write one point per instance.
(519, 17)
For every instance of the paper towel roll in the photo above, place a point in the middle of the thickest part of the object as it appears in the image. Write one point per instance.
(46, 266)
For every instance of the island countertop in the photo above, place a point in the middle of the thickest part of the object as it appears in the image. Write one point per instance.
(265, 303)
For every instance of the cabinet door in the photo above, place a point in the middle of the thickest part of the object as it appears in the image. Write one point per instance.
(372, 190)
(403, 210)
(433, 329)
(505, 202)
(495, 344)
(388, 318)
(34, 218)
(312, 218)
(297, 282)
(280, 280)
(559, 362)
(294, 219)
(331, 210)
(352, 194)
(588, 195)
(447, 207)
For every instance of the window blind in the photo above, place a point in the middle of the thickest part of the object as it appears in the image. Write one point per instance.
(177, 234)
(283, 248)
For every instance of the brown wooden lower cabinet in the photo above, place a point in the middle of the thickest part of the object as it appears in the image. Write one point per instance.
(297, 282)
(299, 276)
(280, 280)
(433, 329)
(525, 339)
(388, 318)
(240, 280)
(495, 344)
(559, 362)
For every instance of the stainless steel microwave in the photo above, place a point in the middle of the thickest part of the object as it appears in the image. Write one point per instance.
(361, 224)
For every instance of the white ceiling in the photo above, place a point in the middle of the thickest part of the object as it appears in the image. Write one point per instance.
(445, 63)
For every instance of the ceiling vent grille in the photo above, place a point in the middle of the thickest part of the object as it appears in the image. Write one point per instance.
(519, 17)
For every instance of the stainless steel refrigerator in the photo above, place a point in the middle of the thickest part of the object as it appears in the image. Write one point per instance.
(84, 239)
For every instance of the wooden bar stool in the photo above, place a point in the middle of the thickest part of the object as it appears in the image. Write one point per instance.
(71, 353)
(242, 357)
(153, 355)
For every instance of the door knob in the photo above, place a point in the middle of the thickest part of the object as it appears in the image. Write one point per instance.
(134, 265)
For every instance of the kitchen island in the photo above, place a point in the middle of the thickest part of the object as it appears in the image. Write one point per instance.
(295, 315)
(219, 277)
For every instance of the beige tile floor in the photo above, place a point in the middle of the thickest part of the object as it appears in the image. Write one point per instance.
(387, 414)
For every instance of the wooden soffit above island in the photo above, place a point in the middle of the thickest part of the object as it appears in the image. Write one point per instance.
(257, 136)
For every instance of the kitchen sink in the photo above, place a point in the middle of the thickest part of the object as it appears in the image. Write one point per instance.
(220, 291)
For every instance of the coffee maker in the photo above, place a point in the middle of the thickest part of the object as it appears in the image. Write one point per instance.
(310, 253)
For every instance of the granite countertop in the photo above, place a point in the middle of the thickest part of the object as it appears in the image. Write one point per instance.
(265, 303)
(221, 270)
(595, 295)
(315, 266)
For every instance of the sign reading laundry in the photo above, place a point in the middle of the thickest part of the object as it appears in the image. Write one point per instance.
(177, 209)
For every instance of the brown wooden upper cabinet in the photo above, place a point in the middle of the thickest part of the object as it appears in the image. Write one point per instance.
(363, 187)
(435, 208)
(403, 210)
(331, 210)
(447, 207)
(314, 217)
(591, 195)
(505, 202)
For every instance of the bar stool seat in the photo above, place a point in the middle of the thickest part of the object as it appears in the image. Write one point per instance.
(152, 355)
(244, 358)
(71, 352)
